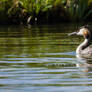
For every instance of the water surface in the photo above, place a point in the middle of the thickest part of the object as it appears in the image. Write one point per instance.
(41, 59)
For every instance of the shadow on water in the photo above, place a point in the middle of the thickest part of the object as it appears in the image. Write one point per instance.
(41, 59)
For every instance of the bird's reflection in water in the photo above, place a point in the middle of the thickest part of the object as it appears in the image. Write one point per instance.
(85, 64)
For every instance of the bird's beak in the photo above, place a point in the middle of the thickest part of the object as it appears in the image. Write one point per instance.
(74, 33)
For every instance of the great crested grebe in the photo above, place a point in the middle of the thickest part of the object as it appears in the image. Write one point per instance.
(84, 50)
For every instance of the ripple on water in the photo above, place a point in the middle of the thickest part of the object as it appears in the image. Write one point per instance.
(39, 59)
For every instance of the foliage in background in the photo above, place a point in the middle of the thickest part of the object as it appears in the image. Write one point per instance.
(80, 10)
(44, 11)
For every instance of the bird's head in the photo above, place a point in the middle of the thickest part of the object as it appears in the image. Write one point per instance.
(83, 31)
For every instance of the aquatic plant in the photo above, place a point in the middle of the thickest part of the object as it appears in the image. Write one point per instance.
(80, 10)
(17, 12)
(39, 11)
(4, 6)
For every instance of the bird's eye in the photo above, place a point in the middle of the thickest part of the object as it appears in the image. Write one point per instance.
(80, 28)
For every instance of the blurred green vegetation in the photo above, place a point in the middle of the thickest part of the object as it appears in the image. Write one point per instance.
(44, 11)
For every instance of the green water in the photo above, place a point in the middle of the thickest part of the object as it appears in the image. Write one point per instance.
(41, 59)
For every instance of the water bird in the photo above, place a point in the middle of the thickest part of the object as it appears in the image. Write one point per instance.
(84, 50)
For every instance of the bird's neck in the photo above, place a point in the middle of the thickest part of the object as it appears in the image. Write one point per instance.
(83, 45)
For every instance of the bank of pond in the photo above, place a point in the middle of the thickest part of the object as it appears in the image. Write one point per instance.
(44, 11)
